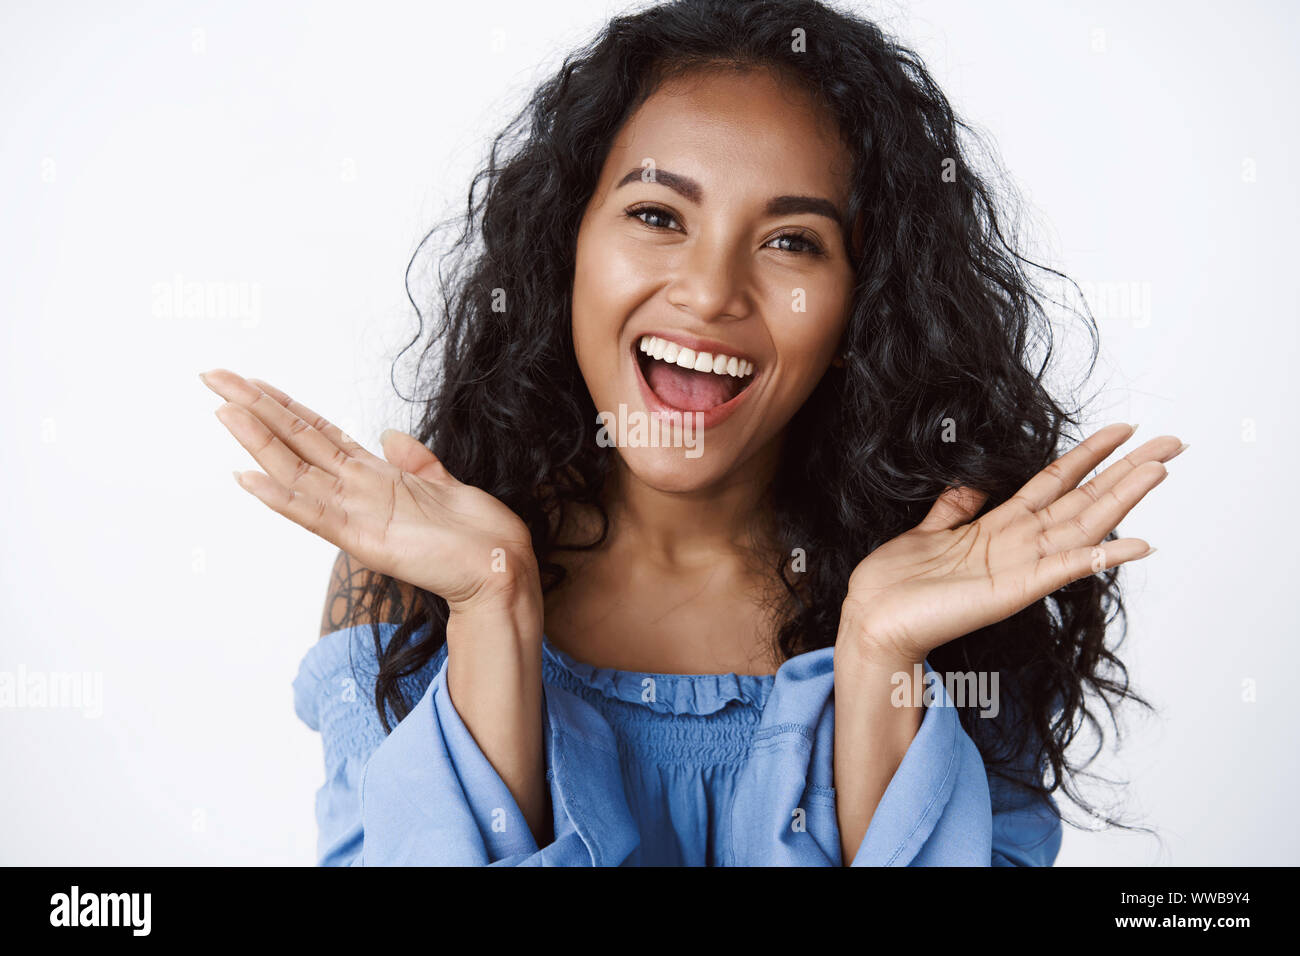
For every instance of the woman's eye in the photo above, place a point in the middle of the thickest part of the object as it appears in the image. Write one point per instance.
(657, 218)
(653, 217)
(800, 244)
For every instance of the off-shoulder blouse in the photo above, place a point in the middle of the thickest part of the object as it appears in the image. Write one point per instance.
(645, 769)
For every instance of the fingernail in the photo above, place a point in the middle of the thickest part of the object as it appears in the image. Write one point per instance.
(1150, 551)
(238, 476)
(1181, 448)
(203, 377)
(383, 435)
(1134, 431)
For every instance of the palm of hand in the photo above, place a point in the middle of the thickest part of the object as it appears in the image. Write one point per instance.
(399, 522)
(403, 515)
(951, 575)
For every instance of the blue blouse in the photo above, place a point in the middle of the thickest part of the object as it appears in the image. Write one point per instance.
(644, 769)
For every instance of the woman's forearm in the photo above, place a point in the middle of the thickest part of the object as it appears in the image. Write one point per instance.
(871, 734)
(494, 676)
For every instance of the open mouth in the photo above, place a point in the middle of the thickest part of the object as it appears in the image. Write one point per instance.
(691, 381)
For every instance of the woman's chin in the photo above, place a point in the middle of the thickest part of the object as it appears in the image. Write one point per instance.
(674, 470)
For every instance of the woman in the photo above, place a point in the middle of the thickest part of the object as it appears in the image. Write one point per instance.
(735, 468)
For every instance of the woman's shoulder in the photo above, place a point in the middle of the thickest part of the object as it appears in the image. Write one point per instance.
(362, 614)
(353, 598)
(342, 667)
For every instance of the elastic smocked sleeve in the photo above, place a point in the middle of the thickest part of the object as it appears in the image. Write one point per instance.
(430, 797)
(426, 795)
(936, 811)
(333, 693)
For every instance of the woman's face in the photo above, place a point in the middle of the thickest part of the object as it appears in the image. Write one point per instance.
(715, 228)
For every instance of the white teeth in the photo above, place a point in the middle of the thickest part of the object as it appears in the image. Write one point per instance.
(674, 354)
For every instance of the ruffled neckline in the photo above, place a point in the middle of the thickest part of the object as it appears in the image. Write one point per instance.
(697, 694)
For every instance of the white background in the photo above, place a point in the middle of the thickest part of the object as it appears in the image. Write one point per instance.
(303, 149)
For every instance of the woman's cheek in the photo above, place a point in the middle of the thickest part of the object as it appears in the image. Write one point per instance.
(601, 307)
(607, 282)
(593, 295)
(806, 347)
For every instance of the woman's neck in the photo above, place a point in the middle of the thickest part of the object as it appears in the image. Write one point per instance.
(682, 584)
(694, 529)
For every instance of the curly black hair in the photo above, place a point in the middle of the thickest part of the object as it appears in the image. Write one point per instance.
(942, 335)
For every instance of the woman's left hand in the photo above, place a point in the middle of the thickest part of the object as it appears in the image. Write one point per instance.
(950, 575)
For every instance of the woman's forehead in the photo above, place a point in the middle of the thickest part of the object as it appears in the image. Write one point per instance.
(724, 129)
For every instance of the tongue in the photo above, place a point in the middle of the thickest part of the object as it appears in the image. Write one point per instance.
(688, 390)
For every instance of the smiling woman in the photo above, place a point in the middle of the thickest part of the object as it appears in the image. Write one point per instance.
(746, 257)
(757, 216)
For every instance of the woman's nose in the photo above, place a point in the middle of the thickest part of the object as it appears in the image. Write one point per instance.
(711, 281)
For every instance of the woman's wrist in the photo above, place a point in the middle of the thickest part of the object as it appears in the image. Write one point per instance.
(517, 622)
(508, 601)
(860, 651)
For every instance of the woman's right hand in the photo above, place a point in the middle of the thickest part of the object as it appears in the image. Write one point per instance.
(405, 517)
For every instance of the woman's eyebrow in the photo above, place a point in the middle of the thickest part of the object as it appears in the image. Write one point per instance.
(776, 206)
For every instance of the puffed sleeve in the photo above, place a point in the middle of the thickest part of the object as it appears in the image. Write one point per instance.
(426, 795)
(430, 798)
(333, 693)
(936, 811)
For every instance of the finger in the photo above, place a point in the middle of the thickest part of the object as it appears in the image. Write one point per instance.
(954, 507)
(410, 455)
(1101, 517)
(309, 511)
(308, 443)
(1164, 449)
(1068, 470)
(276, 458)
(318, 422)
(1056, 571)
